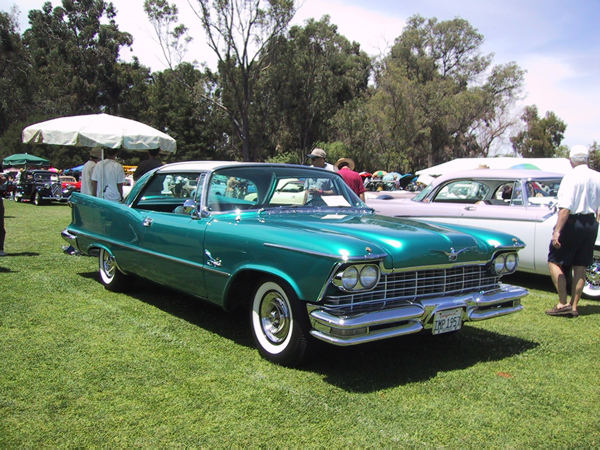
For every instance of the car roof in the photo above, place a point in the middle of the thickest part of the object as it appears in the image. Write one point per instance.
(213, 165)
(499, 174)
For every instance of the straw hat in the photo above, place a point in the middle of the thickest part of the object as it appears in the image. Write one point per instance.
(346, 160)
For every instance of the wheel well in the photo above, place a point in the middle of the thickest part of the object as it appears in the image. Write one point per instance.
(242, 287)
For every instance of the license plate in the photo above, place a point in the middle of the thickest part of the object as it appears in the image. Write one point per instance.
(447, 320)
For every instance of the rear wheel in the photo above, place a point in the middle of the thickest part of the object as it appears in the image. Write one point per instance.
(110, 276)
(279, 323)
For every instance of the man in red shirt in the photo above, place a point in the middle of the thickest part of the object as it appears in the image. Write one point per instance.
(345, 168)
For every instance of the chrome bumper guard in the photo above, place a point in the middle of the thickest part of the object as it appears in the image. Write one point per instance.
(69, 237)
(412, 318)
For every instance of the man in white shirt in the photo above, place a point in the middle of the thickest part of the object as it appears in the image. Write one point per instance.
(88, 169)
(575, 232)
(108, 177)
(317, 158)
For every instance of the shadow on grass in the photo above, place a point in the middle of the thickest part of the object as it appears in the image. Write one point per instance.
(413, 358)
(22, 254)
(363, 368)
(231, 325)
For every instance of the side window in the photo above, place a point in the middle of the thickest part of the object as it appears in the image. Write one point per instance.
(504, 193)
(167, 191)
(541, 192)
(462, 191)
(231, 193)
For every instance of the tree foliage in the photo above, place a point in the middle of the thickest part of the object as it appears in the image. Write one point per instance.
(541, 137)
(309, 75)
(435, 95)
(277, 92)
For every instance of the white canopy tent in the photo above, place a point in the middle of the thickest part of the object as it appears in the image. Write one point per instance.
(558, 165)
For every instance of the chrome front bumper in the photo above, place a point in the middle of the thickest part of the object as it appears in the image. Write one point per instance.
(412, 318)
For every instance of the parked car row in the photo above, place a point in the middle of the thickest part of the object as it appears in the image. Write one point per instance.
(42, 186)
(522, 202)
(300, 251)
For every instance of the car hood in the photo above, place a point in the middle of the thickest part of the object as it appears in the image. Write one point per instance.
(401, 242)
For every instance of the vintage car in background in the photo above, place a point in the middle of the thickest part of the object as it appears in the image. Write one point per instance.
(69, 182)
(521, 202)
(320, 265)
(41, 186)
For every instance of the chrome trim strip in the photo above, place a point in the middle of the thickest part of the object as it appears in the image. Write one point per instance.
(374, 257)
(454, 265)
(151, 253)
(408, 328)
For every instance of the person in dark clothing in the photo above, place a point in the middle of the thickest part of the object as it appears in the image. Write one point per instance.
(148, 164)
(3, 185)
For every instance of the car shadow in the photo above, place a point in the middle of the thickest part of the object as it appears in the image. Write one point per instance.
(21, 254)
(413, 358)
(363, 368)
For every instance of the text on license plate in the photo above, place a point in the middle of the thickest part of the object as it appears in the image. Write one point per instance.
(447, 320)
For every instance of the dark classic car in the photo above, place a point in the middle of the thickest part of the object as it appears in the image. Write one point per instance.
(41, 186)
(298, 248)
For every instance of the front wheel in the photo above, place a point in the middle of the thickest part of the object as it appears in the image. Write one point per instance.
(37, 198)
(279, 324)
(591, 288)
(110, 276)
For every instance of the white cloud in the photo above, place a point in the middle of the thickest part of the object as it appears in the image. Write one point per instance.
(554, 84)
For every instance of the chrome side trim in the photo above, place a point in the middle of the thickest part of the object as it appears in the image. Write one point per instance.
(146, 252)
(373, 257)
(363, 327)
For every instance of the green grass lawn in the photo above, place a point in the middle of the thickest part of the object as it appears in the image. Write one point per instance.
(81, 367)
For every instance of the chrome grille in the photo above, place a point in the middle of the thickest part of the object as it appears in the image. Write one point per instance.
(398, 288)
(56, 190)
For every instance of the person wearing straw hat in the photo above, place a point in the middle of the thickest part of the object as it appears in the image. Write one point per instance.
(574, 235)
(87, 170)
(345, 167)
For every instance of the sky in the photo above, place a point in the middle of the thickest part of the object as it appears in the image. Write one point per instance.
(557, 43)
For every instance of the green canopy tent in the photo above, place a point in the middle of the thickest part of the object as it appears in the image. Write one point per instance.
(24, 159)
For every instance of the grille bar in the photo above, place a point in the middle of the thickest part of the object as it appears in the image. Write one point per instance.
(402, 287)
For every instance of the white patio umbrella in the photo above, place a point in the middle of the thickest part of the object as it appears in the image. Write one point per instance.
(98, 130)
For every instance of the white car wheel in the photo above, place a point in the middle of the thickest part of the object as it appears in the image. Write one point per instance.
(110, 275)
(278, 324)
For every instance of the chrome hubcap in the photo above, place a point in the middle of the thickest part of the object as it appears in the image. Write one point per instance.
(108, 264)
(275, 317)
(592, 274)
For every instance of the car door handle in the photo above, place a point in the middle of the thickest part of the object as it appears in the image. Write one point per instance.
(147, 222)
(470, 208)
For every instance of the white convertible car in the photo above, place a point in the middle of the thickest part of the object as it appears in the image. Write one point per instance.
(520, 202)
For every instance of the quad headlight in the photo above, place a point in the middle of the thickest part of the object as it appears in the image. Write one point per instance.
(505, 263)
(358, 277)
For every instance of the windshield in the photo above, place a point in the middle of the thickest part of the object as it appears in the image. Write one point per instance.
(278, 187)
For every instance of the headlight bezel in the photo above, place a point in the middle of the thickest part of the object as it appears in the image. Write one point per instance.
(505, 263)
(367, 277)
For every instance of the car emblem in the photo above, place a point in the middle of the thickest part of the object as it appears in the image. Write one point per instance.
(453, 254)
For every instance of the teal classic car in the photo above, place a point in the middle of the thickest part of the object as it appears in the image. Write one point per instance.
(297, 248)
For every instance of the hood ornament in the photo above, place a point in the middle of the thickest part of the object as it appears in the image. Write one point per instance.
(453, 254)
